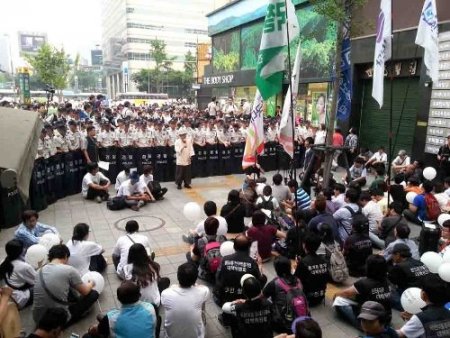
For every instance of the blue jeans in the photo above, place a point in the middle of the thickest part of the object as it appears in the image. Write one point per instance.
(347, 313)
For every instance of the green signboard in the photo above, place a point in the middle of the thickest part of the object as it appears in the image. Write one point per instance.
(24, 86)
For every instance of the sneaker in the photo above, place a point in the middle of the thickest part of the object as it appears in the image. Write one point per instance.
(135, 208)
(187, 186)
(99, 199)
(140, 204)
(179, 187)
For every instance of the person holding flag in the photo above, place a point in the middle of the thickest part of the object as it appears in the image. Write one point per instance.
(269, 71)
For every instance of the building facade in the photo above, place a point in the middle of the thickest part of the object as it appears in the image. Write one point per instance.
(5, 55)
(128, 26)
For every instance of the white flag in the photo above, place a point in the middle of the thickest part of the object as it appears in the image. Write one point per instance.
(427, 37)
(286, 131)
(383, 49)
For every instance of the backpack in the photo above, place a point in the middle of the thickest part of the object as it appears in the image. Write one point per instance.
(295, 304)
(357, 217)
(338, 267)
(212, 257)
(432, 207)
(266, 204)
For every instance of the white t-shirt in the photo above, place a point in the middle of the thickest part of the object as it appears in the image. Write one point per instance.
(23, 273)
(146, 179)
(123, 245)
(89, 179)
(81, 253)
(399, 161)
(183, 308)
(212, 108)
(379, 157)
(221, 231)
(150, 293)
(128, 189)
(121, 177)
(320, 137)
(275, 203)
(413, 328)
(373, 213)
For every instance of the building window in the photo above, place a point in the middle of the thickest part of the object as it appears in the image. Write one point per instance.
(196, 31)
(142, 26)
(130, 10)
(190, 44)
(139, 56)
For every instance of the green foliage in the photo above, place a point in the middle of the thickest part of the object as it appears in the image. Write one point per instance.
(51, 66)
(251, 40)
(226, 52)
(87, 81)
(175, 83)
(190, 64)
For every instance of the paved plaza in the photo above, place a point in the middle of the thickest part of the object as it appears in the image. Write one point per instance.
(163, 222)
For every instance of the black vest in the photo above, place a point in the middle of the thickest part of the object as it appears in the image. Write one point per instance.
(92, 149)
(415, 271)
(435, 321)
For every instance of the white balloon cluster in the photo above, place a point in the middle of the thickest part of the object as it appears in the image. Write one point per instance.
(437, 263)
(36, 255)
(192, 211)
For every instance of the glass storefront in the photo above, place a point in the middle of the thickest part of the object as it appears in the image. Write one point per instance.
(314, 102)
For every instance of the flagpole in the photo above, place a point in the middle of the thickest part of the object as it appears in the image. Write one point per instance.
(391, 101)
(291, 111)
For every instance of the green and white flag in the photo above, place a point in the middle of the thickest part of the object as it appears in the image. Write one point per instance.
(271, 58)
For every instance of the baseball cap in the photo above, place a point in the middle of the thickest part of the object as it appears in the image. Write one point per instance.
(371, 310)
(182, 132)
(402, 249)
(134, 176)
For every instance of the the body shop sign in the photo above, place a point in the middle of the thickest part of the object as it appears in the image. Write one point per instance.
(218, 80)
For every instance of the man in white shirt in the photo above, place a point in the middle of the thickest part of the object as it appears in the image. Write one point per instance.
(135, 193)
(95, 185)
(401, 162)
(184, 305)
(123, 244)
(379, 158)
(372, 211)
(212, 107)
(184, 151)
(122, 177)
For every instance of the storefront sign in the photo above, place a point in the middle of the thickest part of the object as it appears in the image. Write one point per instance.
(235, 79)
(218, 80)
(439, 117)
(406, 68)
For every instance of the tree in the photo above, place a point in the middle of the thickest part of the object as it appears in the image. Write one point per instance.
(163, 63)
(51, 66)
(190, 65)
(340, 12)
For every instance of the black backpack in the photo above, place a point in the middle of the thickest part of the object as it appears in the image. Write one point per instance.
(358, 218)
(116, 203)
(266, 204)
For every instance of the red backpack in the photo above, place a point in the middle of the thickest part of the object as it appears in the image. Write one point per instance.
(433, 209)
(212, 257)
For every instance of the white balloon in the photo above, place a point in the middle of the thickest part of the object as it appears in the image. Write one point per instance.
(227, 248)
(446, 257)
(50, 239)
(36, 254)
(411, 196)
(444, 272)
(432, 260)
(411, 301)
(429, 173)
(192, 211)
(442, 218)
(94, 276)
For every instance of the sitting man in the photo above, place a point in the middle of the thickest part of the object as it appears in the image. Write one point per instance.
(394, 217)
(253, 315)
(135, 193)
(372, 211)
(419, 209)
(401, 234)
(155, 187)
(433, 320)
(379, 158)
(123, 244)
(133, 319)
(303, 199)
(358, 172)
(184, 304)
(210, 209)
(95, 185)
(53, 284)
(373, 321)
(401, 162)
(122, 177)
(30, 230)
(357, 248)
(405, 273)
(231, 270)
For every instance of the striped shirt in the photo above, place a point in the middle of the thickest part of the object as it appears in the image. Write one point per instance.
(303, 199)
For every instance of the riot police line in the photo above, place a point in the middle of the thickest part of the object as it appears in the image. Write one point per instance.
(61, 175)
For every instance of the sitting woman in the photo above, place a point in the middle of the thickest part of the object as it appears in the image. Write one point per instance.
(374, 287)
(85, 255)
(17, 274)
(142, 270)
(234, 213)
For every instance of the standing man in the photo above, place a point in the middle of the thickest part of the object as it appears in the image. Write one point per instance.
(443, 157)
(184, 150)
(89, 146)
(212, 108)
